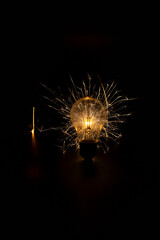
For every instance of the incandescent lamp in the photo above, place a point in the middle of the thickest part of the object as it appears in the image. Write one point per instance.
(88, 116)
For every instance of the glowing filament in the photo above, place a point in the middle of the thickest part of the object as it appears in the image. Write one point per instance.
(88, 123)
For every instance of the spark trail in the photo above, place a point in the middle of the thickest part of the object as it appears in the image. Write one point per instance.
(115, 106)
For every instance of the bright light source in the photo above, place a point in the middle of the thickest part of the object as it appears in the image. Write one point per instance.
(88, 116)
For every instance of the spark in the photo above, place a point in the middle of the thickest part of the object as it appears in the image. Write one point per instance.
(107, 94)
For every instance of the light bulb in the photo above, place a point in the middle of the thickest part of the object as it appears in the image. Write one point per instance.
(88, 116)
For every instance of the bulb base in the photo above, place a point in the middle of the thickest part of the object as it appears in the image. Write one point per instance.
(88, 149)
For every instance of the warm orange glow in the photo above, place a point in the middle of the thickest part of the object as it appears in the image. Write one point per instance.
(88, 116)
(33, 138)
(88, 123)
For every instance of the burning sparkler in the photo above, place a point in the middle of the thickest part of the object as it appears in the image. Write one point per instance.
(33, 125)
(90, 114)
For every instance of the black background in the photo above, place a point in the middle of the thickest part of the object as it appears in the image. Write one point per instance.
(47, 192)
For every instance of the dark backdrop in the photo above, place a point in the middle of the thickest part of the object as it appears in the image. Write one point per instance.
(45, 191)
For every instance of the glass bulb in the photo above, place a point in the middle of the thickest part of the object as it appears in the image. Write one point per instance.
(88, 116)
